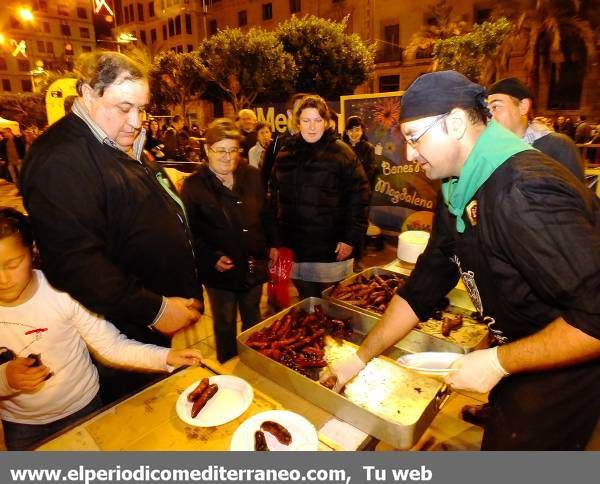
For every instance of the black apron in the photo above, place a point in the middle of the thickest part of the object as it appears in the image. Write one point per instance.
(551, 410)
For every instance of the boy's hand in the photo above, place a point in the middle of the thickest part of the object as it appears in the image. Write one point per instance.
(21, 376)
(187, 357)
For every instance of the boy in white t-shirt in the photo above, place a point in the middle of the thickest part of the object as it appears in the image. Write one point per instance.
(47, 379)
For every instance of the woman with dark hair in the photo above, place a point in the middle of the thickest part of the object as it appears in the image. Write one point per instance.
(154, 140)
(355, 136)
(321, 195)
(232, 229)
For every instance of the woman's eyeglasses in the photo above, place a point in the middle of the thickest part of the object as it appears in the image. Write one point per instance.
(225, 152)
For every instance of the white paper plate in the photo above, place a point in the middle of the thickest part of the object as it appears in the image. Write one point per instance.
(304, 434)
(233, 398)
(429, 363)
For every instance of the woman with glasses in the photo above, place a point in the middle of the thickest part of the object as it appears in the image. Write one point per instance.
(322, 194)
(232, 229)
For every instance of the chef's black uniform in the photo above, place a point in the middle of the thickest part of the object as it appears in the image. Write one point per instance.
(530, 253)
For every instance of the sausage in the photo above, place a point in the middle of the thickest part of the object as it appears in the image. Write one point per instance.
(203, 385)
(203, 399)
(448, 324)
(278, 431)
(260, 443)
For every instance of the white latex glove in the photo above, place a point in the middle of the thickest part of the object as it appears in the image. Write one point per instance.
(479, 371)
(345, 370)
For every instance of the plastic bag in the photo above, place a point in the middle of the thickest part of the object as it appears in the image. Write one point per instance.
(280, 274)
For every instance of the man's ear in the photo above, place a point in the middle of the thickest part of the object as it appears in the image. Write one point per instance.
(457, 123)
(525, 106)
(87, 94)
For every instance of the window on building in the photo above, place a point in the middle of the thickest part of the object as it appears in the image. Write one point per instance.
(295, 6)
(153, 36)
(43, 5)
(171, 28)
(23, 65)
(389, 83)
(143, 37)
(190, 47)
(267, 11)
(65, 29)
(151, 10)
(81, 12)
(14, 23)
(212, 27)
(63, 10)
(49, 47)
(3, 65)
(46, 27)
(242, 18)
(86, 48)
(391, 46)
(41, 46)
(178, 25)
(140, 12)
(179, 49)
(482, 15)
(26, 85)
(164, 31)
(188, 23)
(84, 32)
(6, 85)
(126, 15)
(131, 16)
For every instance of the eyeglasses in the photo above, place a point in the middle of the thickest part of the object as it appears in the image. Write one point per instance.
(224, 152)
(414, 139)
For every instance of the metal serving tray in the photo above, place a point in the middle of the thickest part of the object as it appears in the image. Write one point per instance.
(469, 337)
(385, 400)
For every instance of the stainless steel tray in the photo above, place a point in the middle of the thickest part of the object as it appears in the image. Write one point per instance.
(469, 337)
(385, 400)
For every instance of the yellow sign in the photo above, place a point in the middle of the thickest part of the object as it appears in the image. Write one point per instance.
(20, 47)
(56, 95)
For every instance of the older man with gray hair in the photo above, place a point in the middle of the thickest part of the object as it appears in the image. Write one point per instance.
(110, 228)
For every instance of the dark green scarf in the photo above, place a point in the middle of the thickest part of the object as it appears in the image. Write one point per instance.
(495, 145)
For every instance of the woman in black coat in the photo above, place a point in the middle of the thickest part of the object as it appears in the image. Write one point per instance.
(321, 195)
(356, 138)
(229, 218)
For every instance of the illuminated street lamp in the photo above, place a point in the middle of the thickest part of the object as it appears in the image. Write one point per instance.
(126, 38)
(26, 14)
(2, 39)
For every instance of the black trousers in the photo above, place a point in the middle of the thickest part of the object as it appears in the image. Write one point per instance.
(310, 289)
(224, 305)
(554, 410)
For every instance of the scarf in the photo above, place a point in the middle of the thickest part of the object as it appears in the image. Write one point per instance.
(495, 145)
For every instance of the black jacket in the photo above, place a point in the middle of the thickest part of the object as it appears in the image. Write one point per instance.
(533, 255)
(365, 152)
(109, 234)
(321, 195)
(562, 148)
(235, 223)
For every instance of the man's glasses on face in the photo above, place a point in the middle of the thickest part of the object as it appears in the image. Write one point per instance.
(224, 152)
(414, 139)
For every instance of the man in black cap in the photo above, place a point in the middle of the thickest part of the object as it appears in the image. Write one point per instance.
(524, 235)
(511, 103)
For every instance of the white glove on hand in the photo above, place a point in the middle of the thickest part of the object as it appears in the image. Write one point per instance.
(345, 370)
(479, 371)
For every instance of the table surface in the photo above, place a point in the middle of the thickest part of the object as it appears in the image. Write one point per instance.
(148, 420)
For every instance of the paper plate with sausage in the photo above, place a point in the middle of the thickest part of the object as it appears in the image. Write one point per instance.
(275, 430)
(214, 401)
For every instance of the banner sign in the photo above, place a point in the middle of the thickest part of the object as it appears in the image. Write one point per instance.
(401, 187)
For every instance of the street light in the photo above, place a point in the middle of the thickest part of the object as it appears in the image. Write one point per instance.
(26, 14)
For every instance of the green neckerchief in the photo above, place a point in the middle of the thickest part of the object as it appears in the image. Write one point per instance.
(495, 145)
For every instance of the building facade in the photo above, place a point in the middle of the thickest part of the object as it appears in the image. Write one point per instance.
(42, 35)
